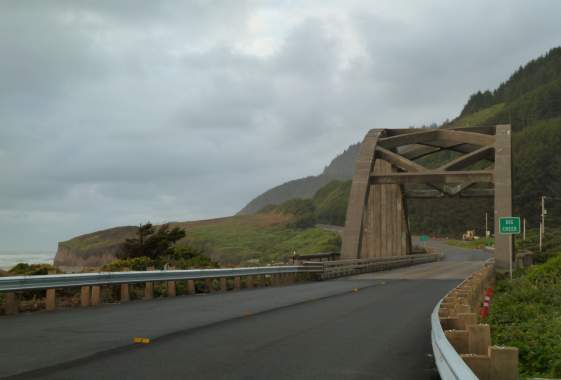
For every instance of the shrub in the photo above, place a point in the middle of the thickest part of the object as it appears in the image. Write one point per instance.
(24, 269)
(526, 313)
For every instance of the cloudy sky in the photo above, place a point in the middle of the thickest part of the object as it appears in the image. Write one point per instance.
(118, 112)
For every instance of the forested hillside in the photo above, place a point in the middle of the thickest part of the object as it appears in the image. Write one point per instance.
(530, 100)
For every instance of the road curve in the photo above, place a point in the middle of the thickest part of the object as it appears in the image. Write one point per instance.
(373, 326)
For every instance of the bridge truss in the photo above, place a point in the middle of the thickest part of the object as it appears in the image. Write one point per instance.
(388, 173)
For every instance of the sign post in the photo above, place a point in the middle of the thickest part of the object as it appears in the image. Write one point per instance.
(424, 239)
(509, 225)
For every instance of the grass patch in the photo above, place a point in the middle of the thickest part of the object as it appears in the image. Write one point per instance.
(479, 117)
(236, 241)
(472, 244)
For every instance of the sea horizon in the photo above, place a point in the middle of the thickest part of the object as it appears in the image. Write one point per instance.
(11, 257)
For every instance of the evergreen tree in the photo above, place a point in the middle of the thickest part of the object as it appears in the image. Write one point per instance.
(151, 243)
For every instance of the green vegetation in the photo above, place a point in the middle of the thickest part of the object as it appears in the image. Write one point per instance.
(526, 313)
(260, 238)
(472, 244)
(243, 239)
(479, 117)
(23, 269)
(533, 76)
(180, 257)
(157, 248)
(151, 243)
(328, 206)
(330, 202)
(302, 210)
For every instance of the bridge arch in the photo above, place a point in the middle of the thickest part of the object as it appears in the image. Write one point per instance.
(387, 174)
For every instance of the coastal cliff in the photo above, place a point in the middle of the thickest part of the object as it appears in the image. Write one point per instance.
(94, 249)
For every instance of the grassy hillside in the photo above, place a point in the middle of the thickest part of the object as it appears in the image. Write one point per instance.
(262, 238)
(330, 202)
(243, 239)
(327, 206)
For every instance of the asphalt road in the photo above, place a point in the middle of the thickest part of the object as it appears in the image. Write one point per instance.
(373, 326)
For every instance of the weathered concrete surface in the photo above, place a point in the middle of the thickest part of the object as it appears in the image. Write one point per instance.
(358, 198)
(503, 194)
(376, 214)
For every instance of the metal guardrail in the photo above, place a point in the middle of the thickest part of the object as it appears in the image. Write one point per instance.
(448, 362)
(327, 269)
(19, 283)
(348, 267)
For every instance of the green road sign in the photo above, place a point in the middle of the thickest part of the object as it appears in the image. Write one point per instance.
(509, 225)
(424, 238)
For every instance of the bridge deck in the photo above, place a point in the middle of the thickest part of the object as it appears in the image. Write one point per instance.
(315, 330)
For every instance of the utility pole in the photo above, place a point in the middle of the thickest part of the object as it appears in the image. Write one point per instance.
(486, 227)
(542, 224)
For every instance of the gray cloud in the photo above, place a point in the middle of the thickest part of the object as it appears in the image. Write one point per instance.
(119, 112)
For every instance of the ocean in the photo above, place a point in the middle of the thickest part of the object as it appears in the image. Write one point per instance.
(9, 258)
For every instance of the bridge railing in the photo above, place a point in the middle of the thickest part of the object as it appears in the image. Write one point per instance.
(91, 283)
(20, 283)
(462, 346)
(339, 268)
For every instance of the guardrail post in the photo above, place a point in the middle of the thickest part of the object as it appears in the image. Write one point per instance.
(462, 308)
(149, 291)
(479, 337)
(149, 287)
(504, 363)
(237, 283)
(96, 295)
(171, 289)
(85, 296)
(223, 284)
(11, 306)
(467, 319)
(209, 285)
(458, 339)
(50, 299)
(190, 286)
(170, 286)
(479, 364)
(125, 296)
(249, 282)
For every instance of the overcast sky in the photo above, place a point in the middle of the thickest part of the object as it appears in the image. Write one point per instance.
(119, 112)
